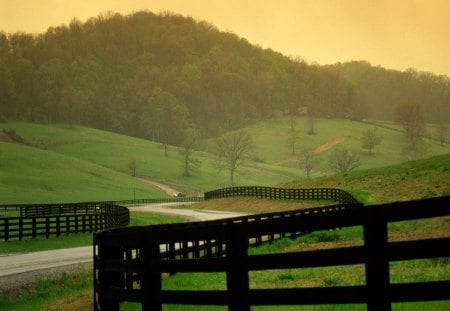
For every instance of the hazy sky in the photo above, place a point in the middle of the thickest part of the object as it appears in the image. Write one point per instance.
(395, 34)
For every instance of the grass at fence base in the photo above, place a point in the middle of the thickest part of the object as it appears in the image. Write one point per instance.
(73, 287)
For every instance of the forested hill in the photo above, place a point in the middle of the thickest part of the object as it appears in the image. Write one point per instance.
(153, 76)
(384, 88)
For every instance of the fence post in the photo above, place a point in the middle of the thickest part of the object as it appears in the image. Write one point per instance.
(107, 279)
(20, 228)
(33, 227)
(237, 270)
(377, 264)
(58, 226)
(151, 278)
(47, 227)
(6, 226)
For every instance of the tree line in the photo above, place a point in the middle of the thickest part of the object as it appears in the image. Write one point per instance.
(384, 90)
(157, 75)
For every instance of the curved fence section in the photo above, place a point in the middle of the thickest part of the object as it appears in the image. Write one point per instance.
(313, 194)
(129, 262)
(56, 219)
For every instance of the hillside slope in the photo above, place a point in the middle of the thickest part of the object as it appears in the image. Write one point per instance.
(411, 180)
(111, 151)
(32, 175)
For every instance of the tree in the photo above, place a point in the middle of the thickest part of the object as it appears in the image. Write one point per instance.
(308, 163)
(411, 117)
(189, 163)
(293, 134)
(370, 139)
(234, 149)
(311, 122)
(442, 131)
(132, 167)
(343, 160)
(7, 91)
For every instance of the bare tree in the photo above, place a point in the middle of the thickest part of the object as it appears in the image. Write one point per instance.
(308, 163)
(311, 124)
(411, 117)
(343, 160)
(132, 167)
(370, 140)
(442, 131)
(189, 163)
(293, 134)
(234, 149)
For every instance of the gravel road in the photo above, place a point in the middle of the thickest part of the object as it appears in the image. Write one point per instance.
(19, 268)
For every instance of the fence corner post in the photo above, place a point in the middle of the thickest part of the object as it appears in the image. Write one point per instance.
(151, 278)
(377, 263)
(237, 269)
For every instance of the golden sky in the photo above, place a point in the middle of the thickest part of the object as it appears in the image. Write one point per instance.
(396, 34)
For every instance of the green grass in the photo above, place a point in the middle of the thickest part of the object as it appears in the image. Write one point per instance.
(31, 175)
(36, 296)
(268, 135)
(410, 180)
(76, 163)
(66, 164)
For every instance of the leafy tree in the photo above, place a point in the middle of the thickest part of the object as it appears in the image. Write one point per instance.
(233, 149)
(343, 160)
(370, 140)
(7, 90)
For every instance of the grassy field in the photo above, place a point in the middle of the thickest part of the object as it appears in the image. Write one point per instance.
(407, 181)
(62, 163)
(31, 175)
(67, 164)
(331, 133)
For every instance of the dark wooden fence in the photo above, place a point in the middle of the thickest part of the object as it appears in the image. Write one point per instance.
(322, 194)
(159, 200)
(57, 219)
(128, 262)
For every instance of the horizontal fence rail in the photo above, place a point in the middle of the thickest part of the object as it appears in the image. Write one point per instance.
(129, 262)
(57, 219)
(322, 194)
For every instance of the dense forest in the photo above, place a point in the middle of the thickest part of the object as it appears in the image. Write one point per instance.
(154, 75)
(383, 89)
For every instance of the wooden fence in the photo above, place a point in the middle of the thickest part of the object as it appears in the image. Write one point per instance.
(322, 194)
(57, 219)
(129, 262)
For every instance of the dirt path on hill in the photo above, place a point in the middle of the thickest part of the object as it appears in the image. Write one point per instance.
(319, 149)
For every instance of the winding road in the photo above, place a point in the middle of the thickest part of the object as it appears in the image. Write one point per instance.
(14, 264)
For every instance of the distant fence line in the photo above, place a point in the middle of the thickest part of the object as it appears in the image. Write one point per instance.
(322, 194)
(129, 262)
(57, 219)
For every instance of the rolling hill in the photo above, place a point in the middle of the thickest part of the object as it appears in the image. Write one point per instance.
(50, 162)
